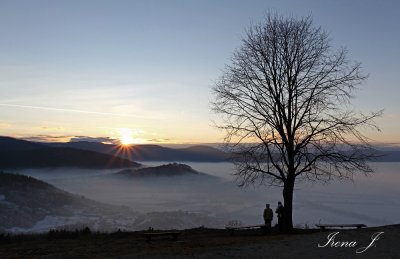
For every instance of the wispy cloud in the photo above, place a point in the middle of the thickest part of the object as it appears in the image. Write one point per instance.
(50, 128)
(71, 110)
(165, 140)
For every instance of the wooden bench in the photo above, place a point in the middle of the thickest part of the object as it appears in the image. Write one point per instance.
(324, 226)
(174, 235)
(232, 229)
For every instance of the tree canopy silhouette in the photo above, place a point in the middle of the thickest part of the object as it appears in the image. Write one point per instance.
(284, 102)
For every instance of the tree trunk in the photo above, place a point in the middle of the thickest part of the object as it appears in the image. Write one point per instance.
(288, 205)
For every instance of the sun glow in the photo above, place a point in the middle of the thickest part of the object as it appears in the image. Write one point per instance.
(126, 136)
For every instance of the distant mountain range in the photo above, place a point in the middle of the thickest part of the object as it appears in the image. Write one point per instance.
(151, 152)
(388, 156)
(15, 153)
(197, 153)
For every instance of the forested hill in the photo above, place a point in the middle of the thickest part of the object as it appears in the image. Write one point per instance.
(25, 201)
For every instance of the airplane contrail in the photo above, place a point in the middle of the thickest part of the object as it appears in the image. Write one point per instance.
(73, 110)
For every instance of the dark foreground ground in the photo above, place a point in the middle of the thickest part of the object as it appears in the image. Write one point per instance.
(204, 243)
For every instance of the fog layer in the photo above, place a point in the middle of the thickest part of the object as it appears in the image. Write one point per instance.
(370, 200)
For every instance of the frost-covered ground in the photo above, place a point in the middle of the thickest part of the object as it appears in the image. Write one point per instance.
(370, 200)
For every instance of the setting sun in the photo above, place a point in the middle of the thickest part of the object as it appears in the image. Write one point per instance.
(126, 136)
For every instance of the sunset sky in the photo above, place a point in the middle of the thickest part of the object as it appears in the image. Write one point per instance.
(144, 69)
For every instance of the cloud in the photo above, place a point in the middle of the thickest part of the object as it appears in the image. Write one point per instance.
(49, 128)
(158, 140)
(48, 138)
(57, 109)
(66, 138)
(94, 139)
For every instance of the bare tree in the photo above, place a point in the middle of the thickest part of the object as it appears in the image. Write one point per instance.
(284, 102)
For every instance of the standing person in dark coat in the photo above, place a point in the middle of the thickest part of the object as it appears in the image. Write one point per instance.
(280, 213)
(268, 216)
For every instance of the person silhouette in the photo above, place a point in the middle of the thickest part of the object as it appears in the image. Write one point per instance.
(280, 210)
(268, 216)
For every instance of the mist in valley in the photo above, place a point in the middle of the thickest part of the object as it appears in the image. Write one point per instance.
(214, 199)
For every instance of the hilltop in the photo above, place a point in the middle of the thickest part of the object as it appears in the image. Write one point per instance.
(167, 170)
